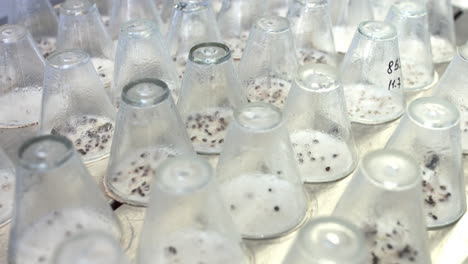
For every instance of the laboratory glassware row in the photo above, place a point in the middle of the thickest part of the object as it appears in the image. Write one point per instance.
(148, 85)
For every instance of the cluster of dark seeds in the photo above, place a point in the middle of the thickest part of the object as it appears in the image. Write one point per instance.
(136, 173)
(308, 156)
(387, 246)
(273, 90)
(88, 134)
(311, 56)
(414, 77)
(371, 106)
(433, 193)
(207, 131)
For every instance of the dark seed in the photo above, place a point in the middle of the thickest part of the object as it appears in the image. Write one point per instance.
(172, 250)
(276, 208)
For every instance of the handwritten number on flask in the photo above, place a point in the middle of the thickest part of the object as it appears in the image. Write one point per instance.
(394, 84)
(392, 67)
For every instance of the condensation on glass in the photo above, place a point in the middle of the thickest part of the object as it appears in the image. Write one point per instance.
(186, 221)
(263, 190)
(21, 78)
(384, 199)
(75, 104)
(430, 133)
(319, 126)
(269, 63)
(211, 90)
(371, 75)
(55, 198)
(148, 131)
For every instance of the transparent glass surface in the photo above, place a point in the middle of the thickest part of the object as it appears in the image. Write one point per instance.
(411, 22)
(7, 188)
(269, 63)
(105, 9)
(235, 19)
(371, 75)
(21, 78)
(90, 248)
(346, 17)
(81, 27)
(430, 133)
(193, 22)
(141, 53)
(127, 10)
(55, 198)
(148, 131)
(319, 126)
(165, 8)
(186, 221)
(380, 8)
(312, 28)
(326, 240)
(75, 104)
(39, 17)
(262, 189)
(276, 7)
(382, 200)
(452, 88)
(442, 28)
(211, 90)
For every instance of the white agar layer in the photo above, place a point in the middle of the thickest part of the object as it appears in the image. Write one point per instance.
(264, 204)
(321, 157)
(20, 107)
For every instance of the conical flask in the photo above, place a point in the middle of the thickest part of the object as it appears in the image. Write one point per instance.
(452, 88)
(259, 177)
(312, 29)
(94, 247)
(193, 22)
(186, 221)
(371, 75)
(141, 54)
(430, 133)
(211, 90)
(410, 20)
(55, 198)
(81, 27)
(384, 200)
(326, 240)
(39, 17)
(21, 77)
(319, 126)
(7, 188)
(75, 104)
(269, 63)
(149, 130)
(235, 19)
(442, 28)
(126, 10)
(346, 17)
